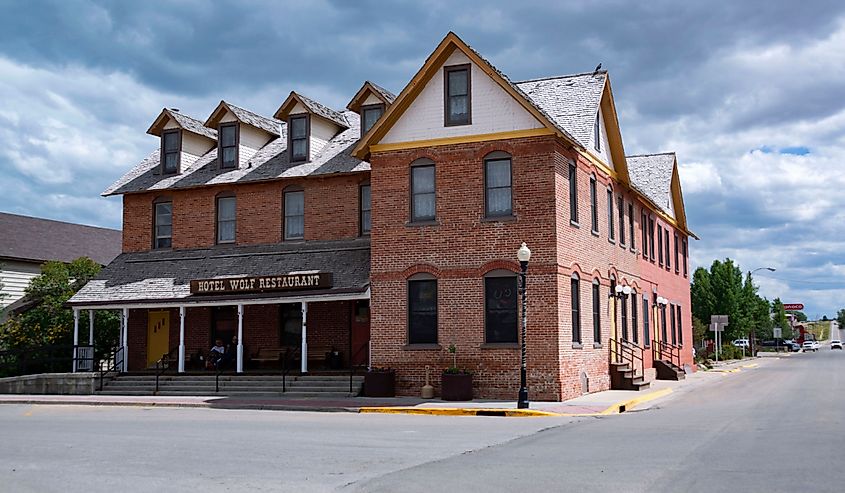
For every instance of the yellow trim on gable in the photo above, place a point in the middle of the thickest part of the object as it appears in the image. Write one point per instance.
(600, 164)
(463, 139)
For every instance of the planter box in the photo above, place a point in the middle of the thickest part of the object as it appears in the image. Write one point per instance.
(380, 384)
(456, 387)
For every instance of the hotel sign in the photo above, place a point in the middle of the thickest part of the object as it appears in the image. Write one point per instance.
(262, 284)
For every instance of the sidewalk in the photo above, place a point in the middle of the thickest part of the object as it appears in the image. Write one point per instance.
(595, 404)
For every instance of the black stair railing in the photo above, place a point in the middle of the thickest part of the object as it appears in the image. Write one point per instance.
(290, 354)
(353, 369)
(666, 352)
(112, 363)
(624, 351)
(164, 364)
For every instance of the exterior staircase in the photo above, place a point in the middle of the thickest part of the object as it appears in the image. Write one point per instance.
(623, 377)
(666, 370)
(297, 386)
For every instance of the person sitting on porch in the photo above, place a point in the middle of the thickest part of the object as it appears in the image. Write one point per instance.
(231, 354)
(216, 355)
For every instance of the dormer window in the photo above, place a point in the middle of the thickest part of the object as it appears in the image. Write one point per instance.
(298, 135)
(369, 116)
(171, 149)
(228, 145)
(458, 98)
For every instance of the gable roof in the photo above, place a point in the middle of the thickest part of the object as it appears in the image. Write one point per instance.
(313, 107)
(369, 87)
(269, 125)
(572, 101)
(655, 177)
(432, 64)
(39, 240)
(269, 163)
(185, 122)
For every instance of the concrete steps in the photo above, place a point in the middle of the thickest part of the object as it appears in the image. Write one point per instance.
(327, 386)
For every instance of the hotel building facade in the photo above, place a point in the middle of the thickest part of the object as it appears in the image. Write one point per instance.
(386, 233)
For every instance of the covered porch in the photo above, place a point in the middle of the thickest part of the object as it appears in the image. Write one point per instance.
(271, 307)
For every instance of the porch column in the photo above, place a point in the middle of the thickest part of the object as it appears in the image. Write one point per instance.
(125, 343)
(181, 339)
(240, 366)
(304, 350)
(75, 336)
(90, 327)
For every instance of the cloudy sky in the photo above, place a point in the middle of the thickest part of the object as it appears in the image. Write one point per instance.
(750, 94)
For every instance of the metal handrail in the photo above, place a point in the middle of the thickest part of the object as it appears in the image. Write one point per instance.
(352, 371)
(627, 352)
(163, 364)
(114, 367)
(289, 354)
(661, 349)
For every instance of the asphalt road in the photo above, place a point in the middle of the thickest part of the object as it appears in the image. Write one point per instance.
(778, 427)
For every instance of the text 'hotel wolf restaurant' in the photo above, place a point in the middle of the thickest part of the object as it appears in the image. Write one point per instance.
(386, 236)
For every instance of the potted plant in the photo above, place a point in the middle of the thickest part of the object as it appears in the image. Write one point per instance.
(380, 382)
(456, 383)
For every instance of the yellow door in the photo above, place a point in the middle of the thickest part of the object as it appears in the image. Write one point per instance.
(158, 336)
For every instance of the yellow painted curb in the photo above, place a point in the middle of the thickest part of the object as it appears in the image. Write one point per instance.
(456, 411)
(719, 370)
(621, 407)
(752, 365)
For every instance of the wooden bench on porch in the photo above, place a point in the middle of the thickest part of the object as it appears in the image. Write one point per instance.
(271, 357)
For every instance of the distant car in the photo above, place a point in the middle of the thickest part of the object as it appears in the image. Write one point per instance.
(836, 344)
(741, 343)
(816, 345)
(809, 346)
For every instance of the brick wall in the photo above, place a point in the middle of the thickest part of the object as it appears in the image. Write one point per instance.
(331, 212)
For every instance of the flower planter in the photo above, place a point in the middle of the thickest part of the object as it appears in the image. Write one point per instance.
(380, 384)
(456, 387)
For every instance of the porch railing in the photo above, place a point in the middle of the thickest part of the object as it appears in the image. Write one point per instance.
(36, 359)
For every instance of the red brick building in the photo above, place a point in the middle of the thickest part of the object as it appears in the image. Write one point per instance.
(388, 232)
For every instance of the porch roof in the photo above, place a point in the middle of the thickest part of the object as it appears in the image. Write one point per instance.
(163, 277)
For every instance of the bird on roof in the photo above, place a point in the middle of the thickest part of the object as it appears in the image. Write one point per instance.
(598, 67)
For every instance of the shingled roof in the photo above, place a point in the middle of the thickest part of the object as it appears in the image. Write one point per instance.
(323, 111)
(39, 240)
(269, 125)
(165, 275)
(184, 121)
(387, 95)
(269, 163)
(651, 175)
(571, 101)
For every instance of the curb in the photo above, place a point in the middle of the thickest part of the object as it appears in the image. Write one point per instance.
(621, 407)
(457, 411)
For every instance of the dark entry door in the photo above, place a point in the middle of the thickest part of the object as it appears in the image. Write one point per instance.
(361, 333)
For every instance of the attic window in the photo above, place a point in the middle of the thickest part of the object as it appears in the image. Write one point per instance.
(298, 138)
(458, 97)
(229, 146)
(171, 143)
(597, 132)
(369, 116)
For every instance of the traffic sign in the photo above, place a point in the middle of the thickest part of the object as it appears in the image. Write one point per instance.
(719, 319)
(717, 328)
(777, 332)
(791, 307)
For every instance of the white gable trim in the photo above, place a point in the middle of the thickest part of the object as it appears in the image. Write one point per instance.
(493, 109)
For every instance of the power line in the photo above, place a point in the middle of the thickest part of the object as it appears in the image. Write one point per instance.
(802, 281)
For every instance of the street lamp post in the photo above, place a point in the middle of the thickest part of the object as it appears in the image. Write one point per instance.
(523, 255)
(754, 332)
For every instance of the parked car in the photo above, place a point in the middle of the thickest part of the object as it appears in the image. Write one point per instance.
(816, 345)
(809, 346)
(836, 344)
(741, 343)
(793, 346)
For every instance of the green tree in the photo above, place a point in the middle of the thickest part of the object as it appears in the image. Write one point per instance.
(779, 319)
(50, 321)
(800, 316)
(840, 317)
